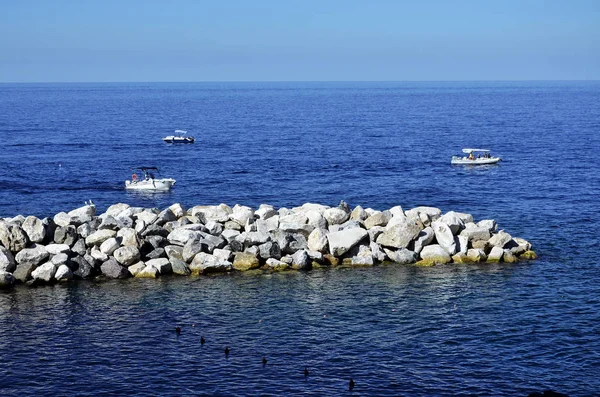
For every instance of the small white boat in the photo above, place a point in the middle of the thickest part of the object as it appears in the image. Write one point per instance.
(475, 157)
(180, 137)
(150, 182)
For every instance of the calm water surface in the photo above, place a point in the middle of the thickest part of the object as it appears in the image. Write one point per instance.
(487, 330)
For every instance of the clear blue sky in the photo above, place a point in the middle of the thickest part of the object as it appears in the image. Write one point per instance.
(289, 40)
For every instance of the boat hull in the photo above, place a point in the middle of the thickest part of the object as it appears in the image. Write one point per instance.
(178, 139)
(151, 184)
(479, 161)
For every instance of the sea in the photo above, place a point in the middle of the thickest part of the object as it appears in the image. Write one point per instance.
(451, 330)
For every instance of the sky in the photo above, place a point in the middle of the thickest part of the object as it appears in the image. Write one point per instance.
(298, 40)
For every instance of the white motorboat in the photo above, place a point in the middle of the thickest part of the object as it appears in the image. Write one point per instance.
(150, 182)
(179, 137)
(475, 157)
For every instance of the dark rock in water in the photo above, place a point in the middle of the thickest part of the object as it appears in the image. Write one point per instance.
(112, 269)
(66, 235)
(547, 393)
(351, 384)
(23, 272)
(179, 267)
(7, 280)
(80, 267)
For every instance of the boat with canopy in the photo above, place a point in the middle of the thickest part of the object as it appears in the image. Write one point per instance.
(150, 181)
(475, 157)
(179, 137)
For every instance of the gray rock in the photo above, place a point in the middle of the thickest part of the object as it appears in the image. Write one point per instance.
(241, 214)
(336, 216)
(476, 233)
(358, 214)
(267, 225)
(375, 232)
(181, 236)
(84, 230)
(224, 254)
(233, 225)
(98, 255)
(44, 272)
(297, 242)
(82, 214)
(63, 273)
(500, 239)
(80, 267)
(146, 216)
(424, 238)
(115, 209)
(34, 228)
(110, 223)
(244, 261)
(378, 253)
(23, 272)
(495, 254)
(230, 234)
(304, 229)
(317, 240)
(462, 244)
(207, 263)
(488, 224)
(161, 264)
(174, 252)
(401, 256)
(364, 257)
(256, 238)
(453, 221)
(54, 249)
(269, 250)
(154, 230)
(62, 219)
(342, 241)
(276, 265)
(214, 228)
(299, 218)
(155, 254)
(252, 250)
(7, 280)
(98, 237)
(265, 211)
(399, 235)
(378, 219)
(300, 260)
(79, 247)
(179, 267)
(34, 255)
(434, 254)
(127, 255)
(112, 269)
(316, 219)
(129, 237)
(13, 237)
(7, 261)
(165, 216)
(444, 236)
(431, 213)
(147, 272)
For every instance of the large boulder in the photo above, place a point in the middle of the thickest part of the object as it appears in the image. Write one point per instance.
(174, 251)
(425, 237)
(317, 240)
(99, 236)
(44, 272)
(82, 214)
(81, 268)
(109, 246)
(434, 254)
(444, 236)
(207, 263)
(112, 269)
(66, 235)
(424, 214)
(476, 255)
(7, 261)
(127, 256)
(115, 209)
(179, 267)
(180, 236)
(265, 211)
(453, 221)
(35, 255)
(400, 235)
(500, 239)
(342, 241)
(34, 228)
(269, 250)
(54, 249)
(23, 272)
(378, 219)
(265, 225)
(165, 216)
(300, 260)
(129, 237)
(335, 216)
(59, 259)
(358, 214)
(147, 272)
(476, 233)
(13, 237)
(193, 247)
(495, 254)
(257, 238)
(161, 264)
(211, 213)
(241, 214)
(276, 265)
(364, 257)
(244, 261)
(177, 210)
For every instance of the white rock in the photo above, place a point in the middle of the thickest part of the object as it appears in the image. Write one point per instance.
(444, 236)
(98, 255)
(265, 211)
(161, 264)
(207, 263)
(489, 224)
(63, 273)
(100, 236)
(34, 228)
(454, 221)
(44, 272)
(241, 214)
(500, 239)
(147, 216)
(495, 254)
(54, 249)
(335, 216)
(267, 225)
(399, 235)
(476, 233)
(378, 219)
(115, 209)
(129, 237)
(7, 260)
(82, 214)
(425, 237)
(146, 272)
(109, 246)
(59, 259)
(127, 256)
(180, 236)
(34, 255)
(317, 240)
(177, 210)
(342, 241)
(435, 253)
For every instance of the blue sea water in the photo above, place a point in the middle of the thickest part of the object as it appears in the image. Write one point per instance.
(453, 330)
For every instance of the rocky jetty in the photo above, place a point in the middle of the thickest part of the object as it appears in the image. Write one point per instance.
(139, 242)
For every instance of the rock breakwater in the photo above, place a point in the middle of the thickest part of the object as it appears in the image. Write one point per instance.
(140, 242)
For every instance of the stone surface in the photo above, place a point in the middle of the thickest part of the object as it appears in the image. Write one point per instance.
(34, 255)
(401, 256)
(127, 256)
(7, 280)
(434, 254)
(207, 263)
(317, 240)
(147, 272)
(63, 273)
(400, 235)
(99, 236)
(358, 214)
(300, 260)
(276, 265)
(342, 241)
(495, 254)
(378, 219)
(244, 262)
(476, 255)
(109, 246)
(444, 236)
(59, 259)
(179, 267)
(500, 239)
(34, 228)
(129, 237)
(80, 267)
(23, 272)
(136, 268)
(509, 257)
(181, 236)
(528, 255)
(112, 269)
(7, 261)
(335, 216)
(425, 237)
(453, 221)
(161, 264)
(54, 249)
(44, 272)
(476, 233)
(13, 237)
